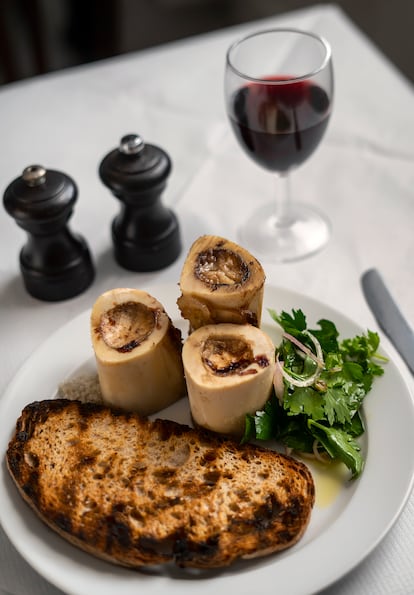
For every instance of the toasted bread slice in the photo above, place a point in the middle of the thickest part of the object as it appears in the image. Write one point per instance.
(136, 492)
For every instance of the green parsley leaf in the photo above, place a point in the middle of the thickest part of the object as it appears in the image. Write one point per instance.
(305, 400)
(327, 336)
(339, 445)
(249, 429)
(336, 407)
(261, 425)
(293, 324)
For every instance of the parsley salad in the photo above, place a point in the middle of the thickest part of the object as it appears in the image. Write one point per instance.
(319, 386)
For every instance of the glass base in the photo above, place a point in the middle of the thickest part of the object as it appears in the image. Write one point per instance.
(269, 239)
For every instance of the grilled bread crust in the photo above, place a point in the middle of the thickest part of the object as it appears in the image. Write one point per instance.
(136, 492)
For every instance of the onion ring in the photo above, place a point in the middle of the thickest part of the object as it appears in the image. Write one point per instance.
(318, 358)
(300, 383)
(278, 382)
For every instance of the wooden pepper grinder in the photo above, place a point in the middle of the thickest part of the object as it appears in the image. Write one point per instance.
(54, 262)
(145, 234)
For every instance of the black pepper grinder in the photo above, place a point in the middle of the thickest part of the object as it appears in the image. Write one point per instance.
(54, 262)
(145, 234)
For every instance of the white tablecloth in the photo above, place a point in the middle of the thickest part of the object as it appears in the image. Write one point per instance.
(362, 177)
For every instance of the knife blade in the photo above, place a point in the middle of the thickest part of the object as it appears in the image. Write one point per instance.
(388, 315)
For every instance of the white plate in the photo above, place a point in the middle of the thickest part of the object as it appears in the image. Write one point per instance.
(339, 536)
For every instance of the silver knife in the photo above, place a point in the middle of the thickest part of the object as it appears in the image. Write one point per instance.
(388, 315)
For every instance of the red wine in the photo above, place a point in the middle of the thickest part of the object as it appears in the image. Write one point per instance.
(280, 125)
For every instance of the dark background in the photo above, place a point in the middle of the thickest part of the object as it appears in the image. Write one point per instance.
(38, 36)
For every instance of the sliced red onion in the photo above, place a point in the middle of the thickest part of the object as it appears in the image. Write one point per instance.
(318, 358)
(321, 457)
(280, 370)
(278, 381)
(300, 383)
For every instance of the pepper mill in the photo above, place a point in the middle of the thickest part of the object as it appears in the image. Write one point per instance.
(54, 262)
(145, 234)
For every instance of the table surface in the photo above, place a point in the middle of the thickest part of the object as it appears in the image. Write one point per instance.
(362, 177)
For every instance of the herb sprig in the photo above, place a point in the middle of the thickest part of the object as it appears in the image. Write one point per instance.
(326, 414)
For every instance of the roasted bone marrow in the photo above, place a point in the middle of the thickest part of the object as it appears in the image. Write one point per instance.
(137, 351)
(220, 282)
(229, 371)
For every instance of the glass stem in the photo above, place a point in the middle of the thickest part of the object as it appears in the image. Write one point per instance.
(283, 200)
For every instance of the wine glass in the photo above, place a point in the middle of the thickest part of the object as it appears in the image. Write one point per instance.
(279, 92)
